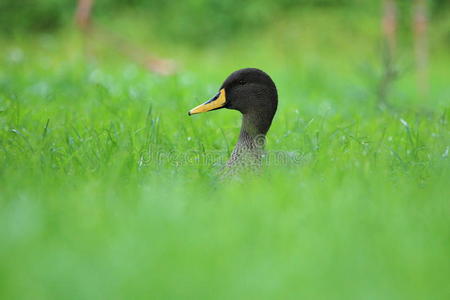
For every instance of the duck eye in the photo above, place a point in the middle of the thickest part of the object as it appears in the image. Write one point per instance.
(242, 82)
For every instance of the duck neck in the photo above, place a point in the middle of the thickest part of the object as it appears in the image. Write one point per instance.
(252, 129)
(252, 138)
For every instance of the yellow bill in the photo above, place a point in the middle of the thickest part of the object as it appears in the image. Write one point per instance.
(216, 102)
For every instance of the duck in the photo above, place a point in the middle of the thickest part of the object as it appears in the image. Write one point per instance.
(253, 93)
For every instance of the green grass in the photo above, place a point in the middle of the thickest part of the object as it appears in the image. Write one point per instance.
(101, 195)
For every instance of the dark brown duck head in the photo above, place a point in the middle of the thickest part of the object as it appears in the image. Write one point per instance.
(253, 93)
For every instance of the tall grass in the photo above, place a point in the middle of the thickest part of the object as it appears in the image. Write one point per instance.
(104, 192)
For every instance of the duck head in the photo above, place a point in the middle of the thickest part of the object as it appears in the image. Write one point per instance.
(251, 92)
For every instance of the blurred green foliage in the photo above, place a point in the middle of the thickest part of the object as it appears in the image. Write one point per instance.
(196, 21)
(30, 15)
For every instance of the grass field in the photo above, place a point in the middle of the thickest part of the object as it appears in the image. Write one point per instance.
(105, 192)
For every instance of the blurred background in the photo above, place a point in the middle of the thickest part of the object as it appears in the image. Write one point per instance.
(379, 46)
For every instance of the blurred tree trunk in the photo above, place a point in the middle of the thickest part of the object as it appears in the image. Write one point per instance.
(83, 22)
(390, 25)
(420, 20)
(83, 14)
(389, 28)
